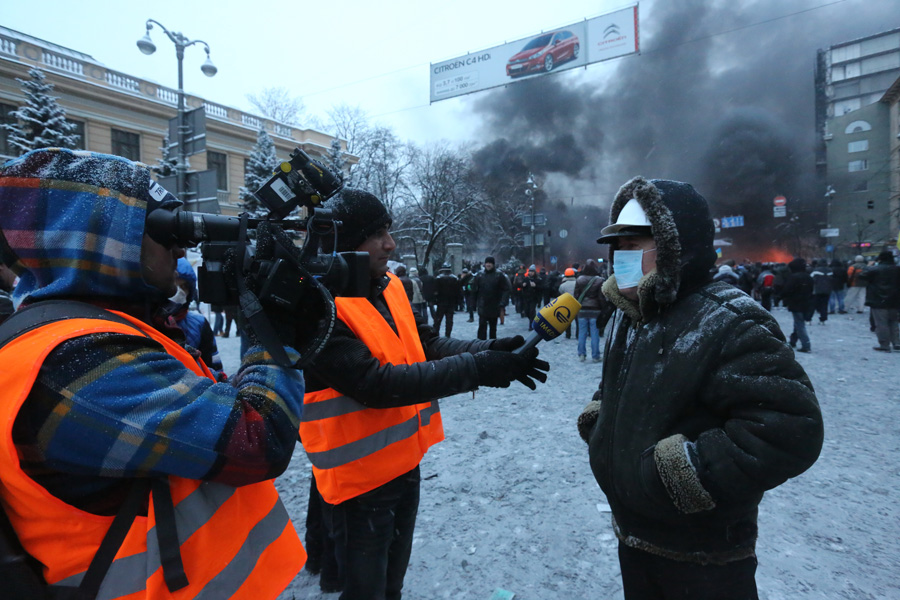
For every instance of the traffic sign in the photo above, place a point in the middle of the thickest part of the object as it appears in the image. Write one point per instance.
(728, 222)
(779, 201)
(779, 211)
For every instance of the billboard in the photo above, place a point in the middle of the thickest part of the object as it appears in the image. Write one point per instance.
(601, 38)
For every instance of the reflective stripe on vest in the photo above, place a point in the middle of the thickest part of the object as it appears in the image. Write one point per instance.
(235, 542)
(354, 449)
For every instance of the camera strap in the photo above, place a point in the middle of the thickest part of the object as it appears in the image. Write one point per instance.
(251, 307)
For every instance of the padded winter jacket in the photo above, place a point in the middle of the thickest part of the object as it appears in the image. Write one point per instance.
(703, 408)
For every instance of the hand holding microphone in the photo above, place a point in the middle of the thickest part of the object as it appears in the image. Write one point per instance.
(551, 321)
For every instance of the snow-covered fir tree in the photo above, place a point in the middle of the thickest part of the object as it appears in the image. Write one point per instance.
(165, 166)
(260, 166)
(335, 159)
(41, 121)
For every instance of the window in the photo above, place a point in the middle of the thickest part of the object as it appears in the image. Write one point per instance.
(860, 146)
(6, 148)
(126, 144)
(857, 126)
(80, 144)
(861, 186)
(858, 165)
(218, 162)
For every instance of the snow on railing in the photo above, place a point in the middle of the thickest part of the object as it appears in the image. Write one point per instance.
(215, 110)
(62, 63)
(122, 81)
(7, 46)
(167, 95)
(251, 121)
(283, 130)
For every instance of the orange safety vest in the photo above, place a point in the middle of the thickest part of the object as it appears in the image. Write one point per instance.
(354, 449)
(234, 542)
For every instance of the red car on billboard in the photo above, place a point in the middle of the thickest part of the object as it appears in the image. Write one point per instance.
(543, 53)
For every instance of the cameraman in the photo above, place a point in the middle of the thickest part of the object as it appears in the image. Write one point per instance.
(371, 411)
(105, 405)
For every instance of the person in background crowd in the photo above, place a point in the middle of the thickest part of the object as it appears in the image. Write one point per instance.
(419, 305)
(839, 287)
(427, 282)
(726, 273)
(112, 427)
(567, 286)
(447, 292)
(466, 284)
(856, 287)
(231, 314)
(198, 335)
(530, 294)
(823, 285)
(782, 272)
(516, 290)
(7, 283)
(798, 299)
(218, 319)
(883, 298)
(587, 292)
(554, 279)
(543, 287)
(765, 286)
(371, 410)
(701, 409)
(491, 289)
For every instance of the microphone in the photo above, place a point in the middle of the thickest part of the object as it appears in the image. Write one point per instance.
(551, 321)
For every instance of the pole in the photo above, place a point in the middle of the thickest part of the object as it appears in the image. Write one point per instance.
(181, 167)
(532, 229)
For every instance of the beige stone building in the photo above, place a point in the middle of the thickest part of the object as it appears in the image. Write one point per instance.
(892, 99)
(121, 114)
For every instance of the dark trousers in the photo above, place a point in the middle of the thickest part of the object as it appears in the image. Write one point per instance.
(765, 298)
(470, 305)
(646, 576)
(319, 545)
(373, 536)
(821, 301)
(529, 307)
(444, 310)
(487, 327)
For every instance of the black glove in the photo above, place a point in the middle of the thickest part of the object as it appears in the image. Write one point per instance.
(507, 344)
(498, 369)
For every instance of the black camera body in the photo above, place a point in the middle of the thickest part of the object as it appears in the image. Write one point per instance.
(276, 274)
(299, 182)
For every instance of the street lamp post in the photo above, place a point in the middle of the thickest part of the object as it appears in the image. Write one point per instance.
(146, 45)
(529, 191)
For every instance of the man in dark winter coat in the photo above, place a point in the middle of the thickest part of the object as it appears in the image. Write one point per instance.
(838, 287)
(823, 285)
(531, 293)
(798, 299)
(372, 411)
(427, 291)
(491, 289)
(447, 292)
(701, 408)
(593, 304)
(883, 297)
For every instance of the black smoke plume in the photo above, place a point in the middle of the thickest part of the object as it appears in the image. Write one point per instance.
(721, 96)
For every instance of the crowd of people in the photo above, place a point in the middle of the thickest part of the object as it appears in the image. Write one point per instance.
(134, 466)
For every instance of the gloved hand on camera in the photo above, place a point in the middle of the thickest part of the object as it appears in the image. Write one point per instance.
(497, 368)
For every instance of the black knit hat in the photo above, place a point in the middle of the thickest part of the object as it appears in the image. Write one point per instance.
(490, 259)
(361, 215)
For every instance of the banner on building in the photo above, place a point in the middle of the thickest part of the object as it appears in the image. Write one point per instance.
(608, 36)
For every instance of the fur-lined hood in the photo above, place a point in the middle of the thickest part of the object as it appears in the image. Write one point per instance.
(683, 230)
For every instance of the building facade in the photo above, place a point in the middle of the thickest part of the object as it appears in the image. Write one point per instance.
(856, 141)
(117, 113)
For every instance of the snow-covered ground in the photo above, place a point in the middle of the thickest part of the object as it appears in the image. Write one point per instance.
(509, 501)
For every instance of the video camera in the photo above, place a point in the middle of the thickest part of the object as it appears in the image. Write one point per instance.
(278, 274)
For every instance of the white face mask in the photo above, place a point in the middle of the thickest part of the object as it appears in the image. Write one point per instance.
(628, 268)
(180, 297)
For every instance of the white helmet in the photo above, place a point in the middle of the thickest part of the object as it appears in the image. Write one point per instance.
(632, 220)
